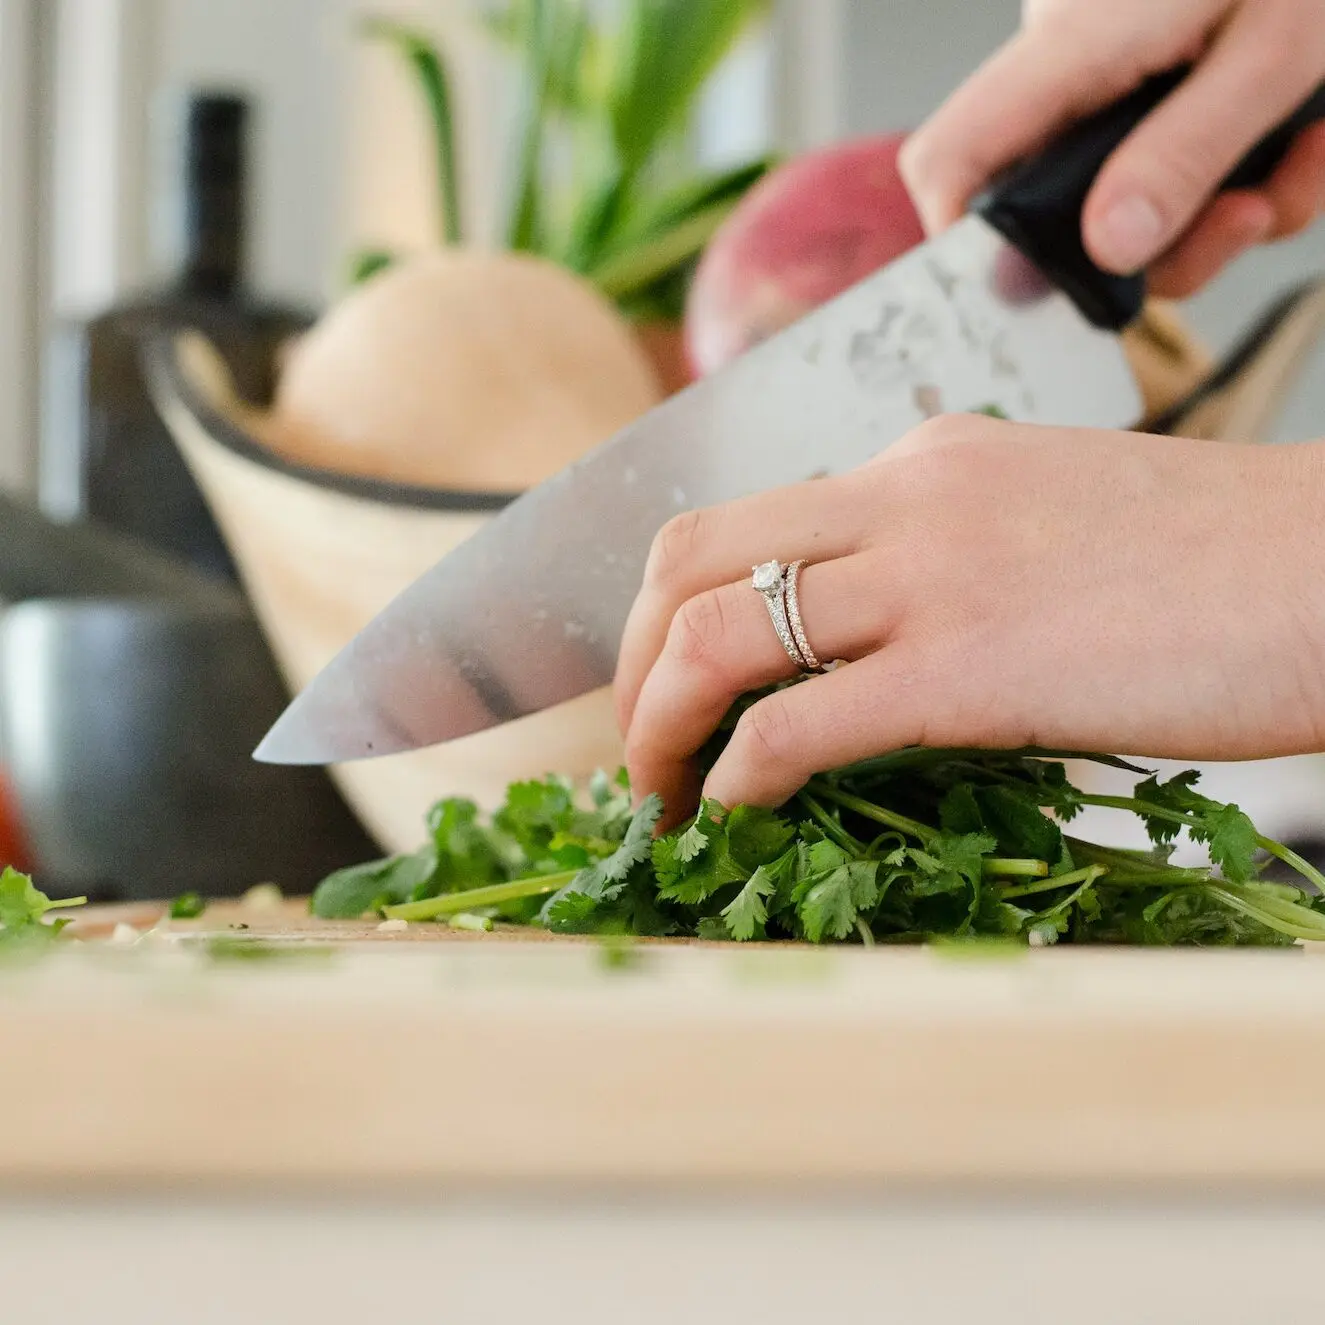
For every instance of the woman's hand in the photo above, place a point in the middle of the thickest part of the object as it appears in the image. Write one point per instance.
(1255, 62)
(995, 585)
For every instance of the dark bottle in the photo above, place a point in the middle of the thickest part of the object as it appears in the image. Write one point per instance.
(106, 454)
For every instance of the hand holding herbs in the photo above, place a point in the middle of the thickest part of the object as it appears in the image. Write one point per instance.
(917, 846)
(992, 585)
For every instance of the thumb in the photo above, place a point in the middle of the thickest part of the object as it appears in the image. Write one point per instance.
(1162, 176)
(1026, 92)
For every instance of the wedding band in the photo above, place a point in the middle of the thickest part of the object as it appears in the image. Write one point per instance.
(770, 583)
(791, 596)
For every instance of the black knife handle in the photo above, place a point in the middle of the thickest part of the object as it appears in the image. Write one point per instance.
(1038, 204)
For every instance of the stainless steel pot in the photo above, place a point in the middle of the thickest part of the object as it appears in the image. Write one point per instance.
(126, 732)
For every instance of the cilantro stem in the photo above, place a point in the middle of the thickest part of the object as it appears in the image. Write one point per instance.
(66, 902)
(996, 867)
(1083, 877)
(1061, 908)
(1157, 878)
(1282, 924)
(1267, 844)
(1134, 866)
(495, 894)
(1123, 856)
(868, 810)
(831, 825)
(1142, 808)
(912, 828)
(1290, 858)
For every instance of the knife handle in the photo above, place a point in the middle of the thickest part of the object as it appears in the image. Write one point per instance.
(1037, 205)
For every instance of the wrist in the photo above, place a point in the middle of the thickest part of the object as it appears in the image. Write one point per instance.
(1289, 533)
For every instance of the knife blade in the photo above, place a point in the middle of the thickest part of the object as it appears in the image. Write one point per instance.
(1005, 309)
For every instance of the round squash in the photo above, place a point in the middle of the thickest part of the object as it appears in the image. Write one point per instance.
(462, 369)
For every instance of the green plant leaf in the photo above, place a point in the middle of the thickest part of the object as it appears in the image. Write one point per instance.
(576, 84)
(667, 50)
(627, 272)
(747, 913)
(23, 906)
(527, 232)
(366, 264)
(834, 900)
(425, 58)
(653, 216)
(353, 892)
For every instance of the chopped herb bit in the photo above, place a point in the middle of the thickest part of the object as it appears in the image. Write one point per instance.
(467, 920)
(188, 906)
(237, 950)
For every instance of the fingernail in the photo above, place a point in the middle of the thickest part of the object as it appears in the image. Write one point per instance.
(1129, 234)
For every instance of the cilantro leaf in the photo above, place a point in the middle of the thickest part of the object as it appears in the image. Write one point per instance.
(468, 856)
(637, 842)
(360, 889)
(571, 913)
(757, 836)
(605, 880)
(20, 901)
(23, 908)
(951, 863)
(1019, 825)
(747, 913)
(833, 901)
(696, 862)
(1233, 842)
(535, 812)
(689, 844)
(959, 812)
(1177, 796)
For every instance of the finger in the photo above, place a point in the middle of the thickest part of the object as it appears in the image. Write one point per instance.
(865, 709)
(719, 545)
(721, 645)
(1297, 189)
(1011, 105)
(1161, 177)
(1231, 224)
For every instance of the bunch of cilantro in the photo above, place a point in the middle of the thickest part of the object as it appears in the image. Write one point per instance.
(916, 846)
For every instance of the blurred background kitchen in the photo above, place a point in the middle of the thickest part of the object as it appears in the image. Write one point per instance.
(176, 554)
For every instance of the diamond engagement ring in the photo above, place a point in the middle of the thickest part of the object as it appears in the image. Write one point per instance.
(770, 582)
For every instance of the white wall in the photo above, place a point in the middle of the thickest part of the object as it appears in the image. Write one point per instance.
(293, 57)
(96, 146)
(18, 296)
(343, 156)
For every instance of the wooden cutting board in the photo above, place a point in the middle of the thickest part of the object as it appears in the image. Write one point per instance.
(433, 1058)
(285, 922)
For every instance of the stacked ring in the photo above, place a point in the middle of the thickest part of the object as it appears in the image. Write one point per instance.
(779, 588)
(792, 595)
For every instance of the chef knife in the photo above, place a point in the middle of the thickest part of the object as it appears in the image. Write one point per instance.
(1004, 310)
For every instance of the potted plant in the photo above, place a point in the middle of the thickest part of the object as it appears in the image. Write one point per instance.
(603, 181)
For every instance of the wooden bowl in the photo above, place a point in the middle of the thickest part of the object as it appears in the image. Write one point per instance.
(321, 553)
